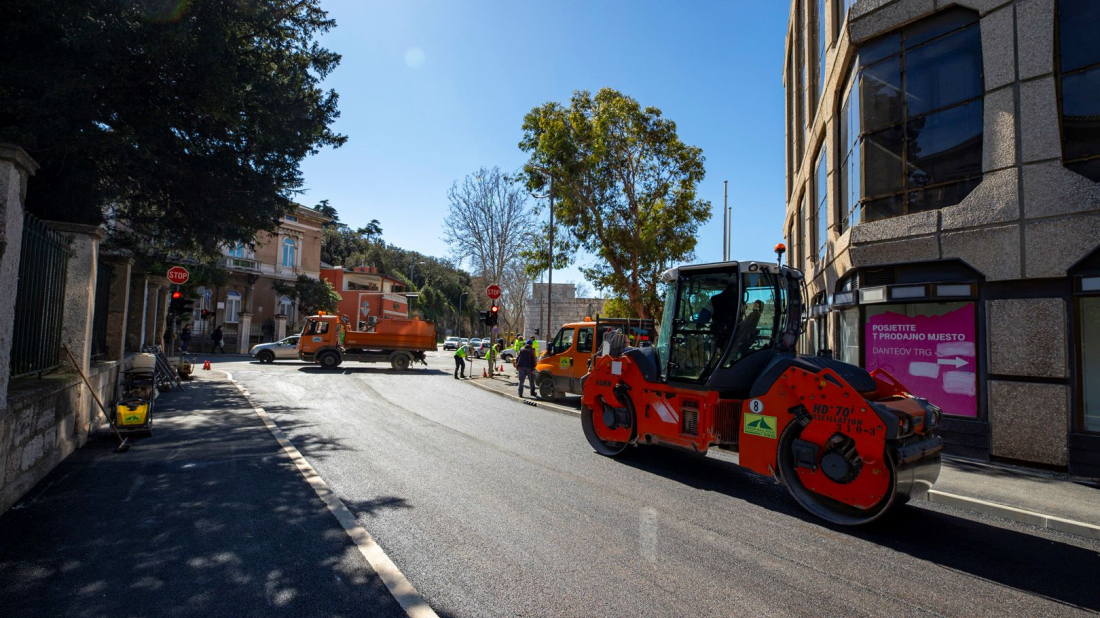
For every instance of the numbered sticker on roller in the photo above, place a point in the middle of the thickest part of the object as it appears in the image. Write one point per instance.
(756, 406)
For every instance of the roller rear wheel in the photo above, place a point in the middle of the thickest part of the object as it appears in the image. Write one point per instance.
(594, 426)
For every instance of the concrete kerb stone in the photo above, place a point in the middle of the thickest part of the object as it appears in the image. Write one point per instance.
(1039, 520)
(553, 407)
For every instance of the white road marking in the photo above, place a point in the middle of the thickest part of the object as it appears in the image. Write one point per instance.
(399, 586)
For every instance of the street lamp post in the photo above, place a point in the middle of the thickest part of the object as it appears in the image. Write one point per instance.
(460, 313)
(550, 263)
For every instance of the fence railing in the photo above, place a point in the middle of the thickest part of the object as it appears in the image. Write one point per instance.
(104, 274)
(39, 299)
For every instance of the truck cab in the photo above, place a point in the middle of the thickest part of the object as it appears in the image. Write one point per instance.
(568, 355)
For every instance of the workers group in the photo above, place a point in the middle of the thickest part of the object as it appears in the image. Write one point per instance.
(526, 357)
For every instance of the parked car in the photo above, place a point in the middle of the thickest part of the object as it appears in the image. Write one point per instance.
(481, 350)
(285, 349)
(475, 343)
(451, 343)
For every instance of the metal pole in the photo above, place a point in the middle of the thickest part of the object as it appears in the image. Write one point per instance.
(550, 267)
(144, 313)
(729, 232)
(725, 219)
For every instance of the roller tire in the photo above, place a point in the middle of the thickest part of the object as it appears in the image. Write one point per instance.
(603, 447)
(826, 508)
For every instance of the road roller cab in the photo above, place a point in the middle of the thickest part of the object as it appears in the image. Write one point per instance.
(847, 443)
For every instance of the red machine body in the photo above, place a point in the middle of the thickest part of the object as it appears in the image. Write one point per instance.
(849, 445)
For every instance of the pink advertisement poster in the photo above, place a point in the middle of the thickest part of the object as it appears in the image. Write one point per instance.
(934, 356)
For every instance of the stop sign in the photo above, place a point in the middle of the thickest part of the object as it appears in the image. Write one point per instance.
(178, 275)
(493, 291)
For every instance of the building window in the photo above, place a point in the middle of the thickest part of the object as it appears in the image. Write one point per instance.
(290, 253)
(822, 45)
(237, 250)
(792, 242)
(1079, 65)
(799, 263)
(291, 218)
(822, 206)
(792, 153)
(841, 14)
(232, 307)
(800, 85)
(914, 136)
(847, 336)
(848, 185)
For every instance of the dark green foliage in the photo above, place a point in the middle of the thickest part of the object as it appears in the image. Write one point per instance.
(186, 119)
(311, 295)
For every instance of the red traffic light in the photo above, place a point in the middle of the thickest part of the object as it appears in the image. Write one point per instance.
(494, 308)
(177, 294)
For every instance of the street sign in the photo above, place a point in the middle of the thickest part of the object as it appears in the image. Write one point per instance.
(178, 275)
(493, 291)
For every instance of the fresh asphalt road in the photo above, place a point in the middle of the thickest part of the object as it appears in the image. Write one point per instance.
(494, 508)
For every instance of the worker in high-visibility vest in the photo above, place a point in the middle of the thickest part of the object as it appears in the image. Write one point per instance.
(518, 345)
(535, 345)
(460, 361)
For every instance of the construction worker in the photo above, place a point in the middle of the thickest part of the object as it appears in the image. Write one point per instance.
(518, 345)
(525, 367)
(460, 361)
(536, 348)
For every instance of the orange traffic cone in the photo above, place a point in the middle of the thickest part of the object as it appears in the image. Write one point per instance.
(501, 369)
(206, 364)
(484, 373)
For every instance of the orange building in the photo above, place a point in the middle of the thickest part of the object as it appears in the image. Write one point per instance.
(367, 295)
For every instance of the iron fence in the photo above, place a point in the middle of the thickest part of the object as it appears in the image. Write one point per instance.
(40, 299)
(104, 274)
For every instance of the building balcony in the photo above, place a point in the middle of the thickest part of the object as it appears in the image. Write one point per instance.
(236, 263)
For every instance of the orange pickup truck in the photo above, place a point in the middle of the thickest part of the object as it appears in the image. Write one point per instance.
(568, 356)
(328, 341)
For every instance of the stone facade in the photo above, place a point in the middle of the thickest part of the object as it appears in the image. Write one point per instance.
(563, 304)
(1021, 237)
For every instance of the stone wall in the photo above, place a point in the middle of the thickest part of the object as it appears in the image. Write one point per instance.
(564, 305)
(46, 419)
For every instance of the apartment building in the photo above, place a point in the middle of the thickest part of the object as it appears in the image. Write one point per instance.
(943, 199)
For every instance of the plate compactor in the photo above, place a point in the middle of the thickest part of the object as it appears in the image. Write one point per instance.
(848, 444)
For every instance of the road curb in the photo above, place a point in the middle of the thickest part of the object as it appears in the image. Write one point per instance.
(402, 590)
(1039, 520)
(535, 403)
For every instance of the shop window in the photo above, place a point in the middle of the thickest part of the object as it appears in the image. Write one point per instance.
(822, 214)
(1079, 66)
(931, 348)
(1089, 312)
(232, 307)
(847, 336)
(911, 120)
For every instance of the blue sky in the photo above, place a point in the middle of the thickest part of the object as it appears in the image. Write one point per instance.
(432, 90)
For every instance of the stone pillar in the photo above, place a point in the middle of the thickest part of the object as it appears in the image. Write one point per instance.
(15, 168)
(161, 315)
(118, 307)
(136, 329)
(280, 327)
(244, 330)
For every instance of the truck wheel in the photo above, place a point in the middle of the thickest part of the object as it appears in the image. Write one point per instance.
(329, 360)
(546, 389)
(400, 362)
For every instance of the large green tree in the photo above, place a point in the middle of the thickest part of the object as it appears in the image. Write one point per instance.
(624, 188)
(183, 121)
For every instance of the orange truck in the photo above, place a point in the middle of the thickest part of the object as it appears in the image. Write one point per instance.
(568, 356)
(327, 341)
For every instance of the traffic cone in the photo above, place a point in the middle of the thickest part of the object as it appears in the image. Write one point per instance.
(206, 364)
(484, 373)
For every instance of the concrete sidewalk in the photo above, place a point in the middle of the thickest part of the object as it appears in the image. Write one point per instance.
(208, 517)
(978, 483)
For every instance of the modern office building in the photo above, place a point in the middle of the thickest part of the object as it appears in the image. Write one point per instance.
(943, 199)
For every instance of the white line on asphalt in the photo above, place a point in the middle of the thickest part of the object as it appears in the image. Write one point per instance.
(399, 586)
(1021, 516)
